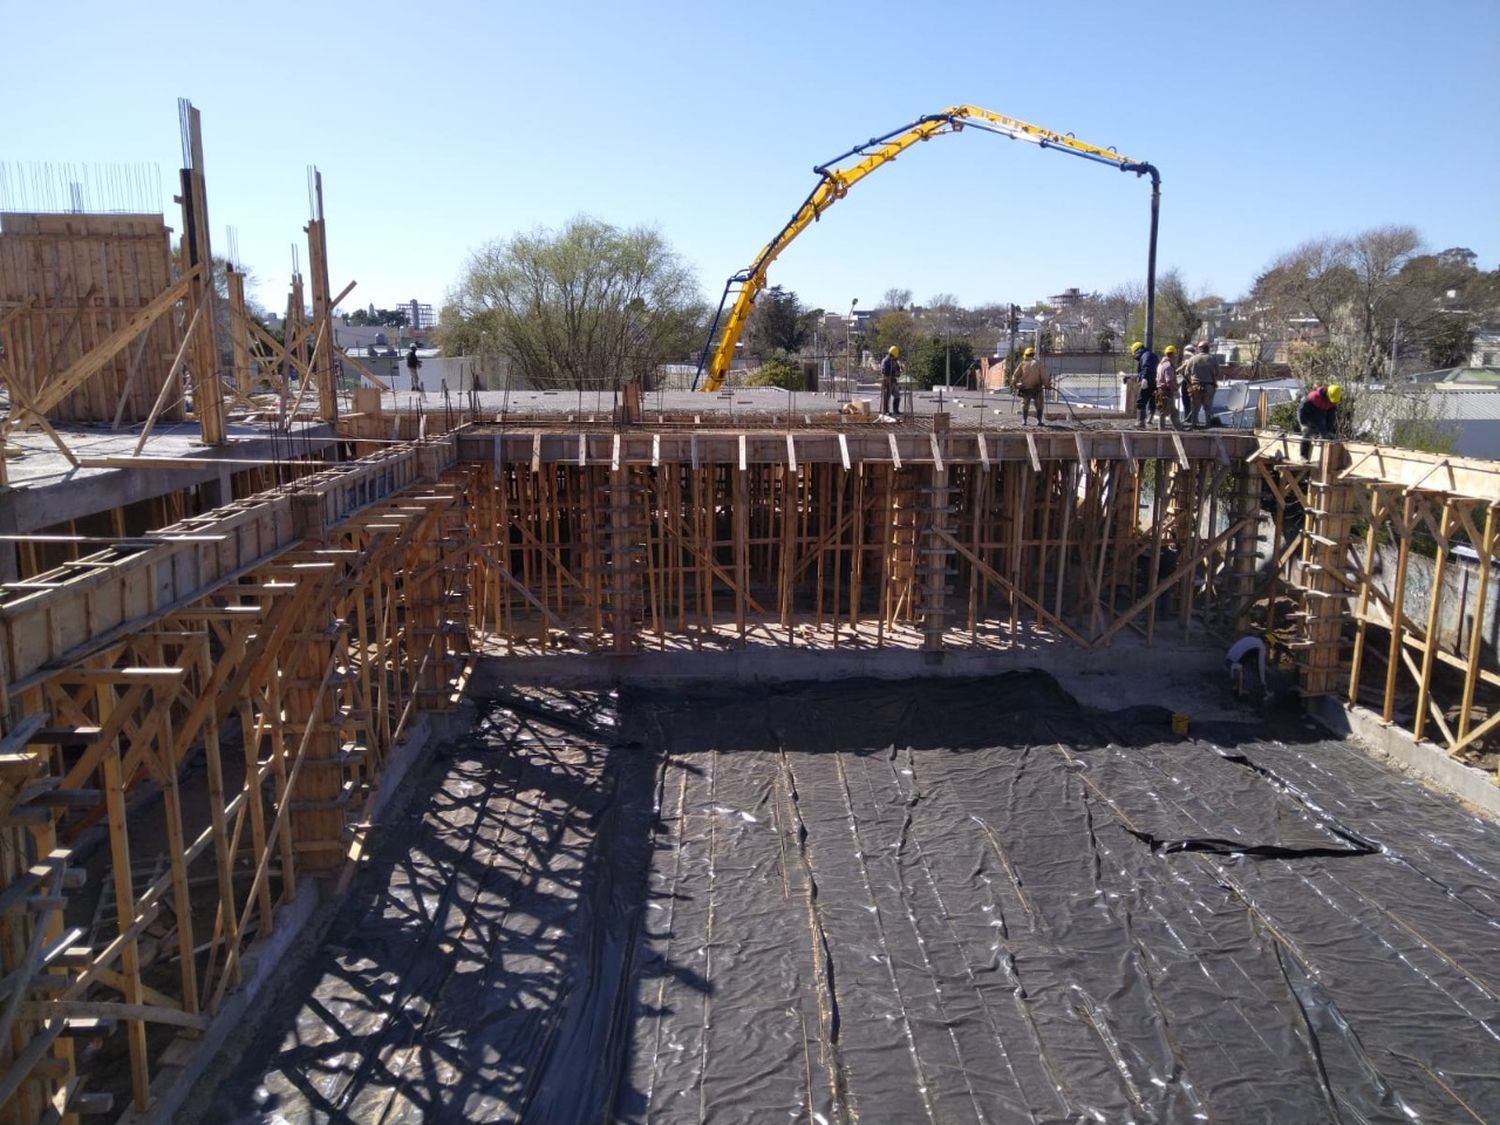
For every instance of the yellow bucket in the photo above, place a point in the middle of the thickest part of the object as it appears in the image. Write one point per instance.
(1179, 723)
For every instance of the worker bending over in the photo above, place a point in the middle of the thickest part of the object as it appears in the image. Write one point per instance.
(1031, 382)
(1318, 415)
(1234, 663)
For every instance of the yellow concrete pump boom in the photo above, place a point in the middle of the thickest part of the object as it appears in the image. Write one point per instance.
(835, 183)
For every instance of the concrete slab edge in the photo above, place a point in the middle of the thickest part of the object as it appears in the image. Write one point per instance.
(306, 918)
(1424, 759)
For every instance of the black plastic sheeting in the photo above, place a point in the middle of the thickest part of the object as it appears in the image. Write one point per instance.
(924, 901)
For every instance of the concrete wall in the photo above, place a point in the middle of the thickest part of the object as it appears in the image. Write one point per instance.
(1456, 601)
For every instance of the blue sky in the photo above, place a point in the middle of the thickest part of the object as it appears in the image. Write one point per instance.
(440, 126)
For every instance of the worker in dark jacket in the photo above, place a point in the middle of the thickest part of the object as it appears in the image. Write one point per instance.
(1146, 363)
(891, 368)
(1318, 414)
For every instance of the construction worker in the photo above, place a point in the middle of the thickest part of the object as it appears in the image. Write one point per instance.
(1166, 389)
(891, 368)
(1318, 414)
(1234, 663)
(413, 368)
(1146, 362)
(1201, 376)
(1031, 382)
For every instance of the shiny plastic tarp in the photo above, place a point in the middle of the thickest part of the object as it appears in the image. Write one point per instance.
(920, 901)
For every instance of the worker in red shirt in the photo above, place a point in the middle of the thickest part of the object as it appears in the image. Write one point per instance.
(1318, 414)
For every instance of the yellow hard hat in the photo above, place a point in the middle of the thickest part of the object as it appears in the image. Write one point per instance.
(1137, 347)
(1335, 394)
(1029, 352)
(1169, 350)
(894, 352)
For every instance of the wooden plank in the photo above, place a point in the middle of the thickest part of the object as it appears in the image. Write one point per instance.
(937, 453)
(1036, 461)
(1182, 457)
(895, 452)
(984, 451)
(844, 450)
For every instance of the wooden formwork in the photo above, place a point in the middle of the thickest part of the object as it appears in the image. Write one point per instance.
(67, 282)
(260, 705)
(616, 542)
(1354, 630)
(254, 667)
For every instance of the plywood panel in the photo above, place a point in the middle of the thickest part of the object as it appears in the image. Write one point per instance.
(68, 281)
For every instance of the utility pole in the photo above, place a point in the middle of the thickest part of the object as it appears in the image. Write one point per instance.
(1395, 334)
(1015, 324)
(848, 346)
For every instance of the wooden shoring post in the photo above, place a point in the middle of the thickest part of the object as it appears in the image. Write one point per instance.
(254, 729)
(228, 908)
(886, 499)
(1196, 477)
(1158, 472)
(239, 332)
(1108, 497)
(1362, 608)
(978, 499)
(1007, 537)
(624, 574)
(1434, 599)
(857, 544)
(317, 820)
(322, 306)
(821, 498)
(1398, 600)
(839, 483)
(1325, 541)
(275, 711)
(792, 539)
(740, 542)
(208, 394)
(1245, 547)
(658, 562)
(1046, 549)
(1476, 630)
(1067, 476)
(934, 555)
(169, 759)
(125, 903)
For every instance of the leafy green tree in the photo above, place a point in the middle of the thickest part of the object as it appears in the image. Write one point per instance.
(590, 305)
(934, 357)
(897, 328)
(779, 370)
(778, 321)
(1447, 340)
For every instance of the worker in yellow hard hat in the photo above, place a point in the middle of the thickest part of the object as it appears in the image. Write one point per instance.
(891, 368)
(1146, 362)
(1200, 375)
(1166, 389)
(1031, 382)
(1318, 414)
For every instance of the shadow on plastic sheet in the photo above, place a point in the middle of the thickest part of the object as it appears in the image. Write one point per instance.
(481, 967)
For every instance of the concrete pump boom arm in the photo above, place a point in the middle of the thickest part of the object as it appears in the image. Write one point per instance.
(835, 183)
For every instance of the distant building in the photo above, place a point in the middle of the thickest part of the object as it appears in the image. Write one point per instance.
(421, 316)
